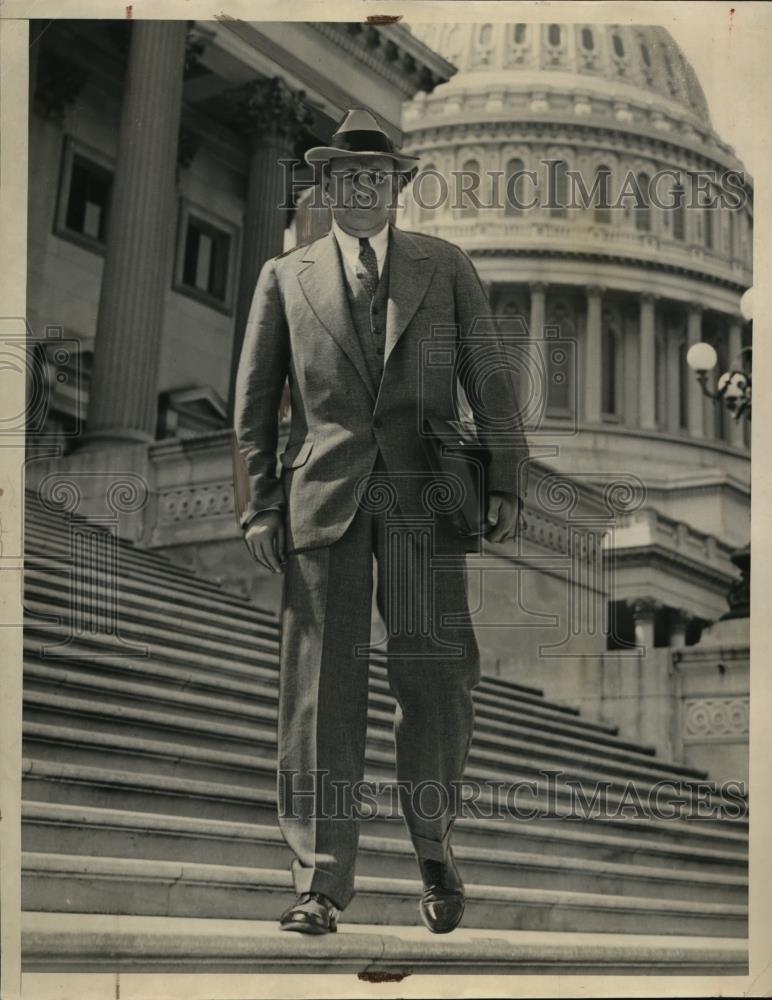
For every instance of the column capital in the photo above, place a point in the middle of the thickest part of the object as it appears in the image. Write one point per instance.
(538, 286)
(696, 307)
(269, 107)
(649, 298)
(595, 291)
(644, 608)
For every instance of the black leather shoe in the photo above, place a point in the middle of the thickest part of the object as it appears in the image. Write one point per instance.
(311, 913)
(443, 900)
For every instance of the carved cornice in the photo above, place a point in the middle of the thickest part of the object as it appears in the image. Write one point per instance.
(389, 57)
(608, 258)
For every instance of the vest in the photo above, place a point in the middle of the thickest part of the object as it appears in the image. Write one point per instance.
(369, 317)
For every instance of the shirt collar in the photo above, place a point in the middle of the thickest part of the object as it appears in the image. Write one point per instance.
(350, 244)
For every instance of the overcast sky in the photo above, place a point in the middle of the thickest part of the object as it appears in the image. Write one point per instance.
(724, 59)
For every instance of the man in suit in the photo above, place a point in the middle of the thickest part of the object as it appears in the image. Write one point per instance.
(346, 319)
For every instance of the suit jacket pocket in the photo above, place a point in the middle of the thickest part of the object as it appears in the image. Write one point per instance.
(297, 454)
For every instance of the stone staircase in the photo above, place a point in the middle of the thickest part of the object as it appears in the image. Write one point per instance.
(149, 796)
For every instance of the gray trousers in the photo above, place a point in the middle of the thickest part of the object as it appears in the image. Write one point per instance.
(433, 665)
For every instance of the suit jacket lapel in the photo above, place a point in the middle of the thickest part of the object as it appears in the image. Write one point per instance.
(410, 273)
(321, 277)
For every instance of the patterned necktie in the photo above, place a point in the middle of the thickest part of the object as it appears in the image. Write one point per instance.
(369, 273)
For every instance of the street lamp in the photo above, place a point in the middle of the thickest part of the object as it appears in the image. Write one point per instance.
(733, 390)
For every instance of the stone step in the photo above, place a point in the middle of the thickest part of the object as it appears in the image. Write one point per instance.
(46, 538)
(205, 723)
(82, 680)
(163, 946)
(49, 828)
(81, 884)
(246, 685)
(39, 639)
(115, 788)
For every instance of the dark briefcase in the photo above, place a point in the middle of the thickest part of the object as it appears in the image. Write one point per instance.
(460, 465)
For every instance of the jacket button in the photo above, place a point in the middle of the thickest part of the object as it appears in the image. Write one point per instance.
(377, 423)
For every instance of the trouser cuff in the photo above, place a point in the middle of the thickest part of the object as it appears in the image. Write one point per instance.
(333, 886)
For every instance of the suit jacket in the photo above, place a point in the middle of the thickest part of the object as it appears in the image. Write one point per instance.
(438, 329)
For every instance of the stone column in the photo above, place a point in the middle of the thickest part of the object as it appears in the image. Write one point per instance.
(694, 392)
(734, 346)
(593, 359)
(644, 613)
(272, 115)
(647, 368)
(122, 403)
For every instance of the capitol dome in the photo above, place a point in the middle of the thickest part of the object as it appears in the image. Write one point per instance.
(603, 296)
(641, 62)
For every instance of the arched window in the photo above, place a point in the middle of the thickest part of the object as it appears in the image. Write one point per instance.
(602, 186)
(514, 195)
(645, 55)
(610, 367)
(558, 188)
(643, 205)
(485, 35)
(429, 194)
(619, 48)
(469, 191)
(554, 34)
(520, 33)
(679, 213)
(588, 42)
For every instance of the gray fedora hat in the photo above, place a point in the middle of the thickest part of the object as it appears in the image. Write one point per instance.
(360, 134)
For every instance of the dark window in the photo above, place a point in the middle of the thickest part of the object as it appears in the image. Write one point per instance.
(559, 369)
(558, 188)
(514, 196)
(609, 387)
(553, 34)
(679, 213)
(205, 266)
(587, 40)
(602, 184)
(730, 233)
(645, 55)
(88, 199)
(619, 48)
(708, 228)
(520, 31)
(642, 208)
(684, 372)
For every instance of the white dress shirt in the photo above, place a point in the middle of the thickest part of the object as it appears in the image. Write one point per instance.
(349, 246)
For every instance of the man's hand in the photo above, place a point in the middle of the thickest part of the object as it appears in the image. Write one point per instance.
(265, 540)
(503, 515)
